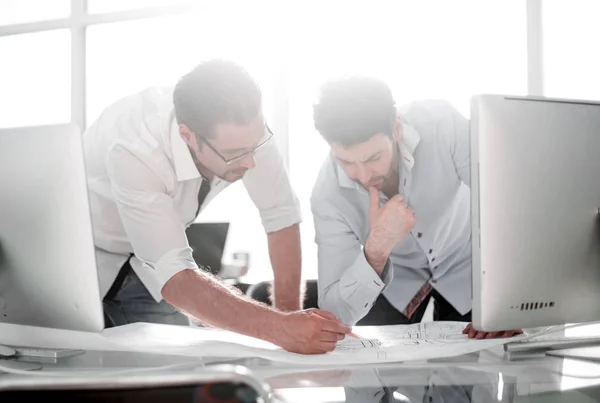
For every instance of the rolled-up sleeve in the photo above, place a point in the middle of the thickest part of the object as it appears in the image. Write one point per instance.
(348, 285)
(268, 185)
(149, 217)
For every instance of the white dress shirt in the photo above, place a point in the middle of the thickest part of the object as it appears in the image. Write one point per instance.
(143, 188)
(434, 180)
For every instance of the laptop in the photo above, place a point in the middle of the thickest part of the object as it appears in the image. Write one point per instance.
(207, 241)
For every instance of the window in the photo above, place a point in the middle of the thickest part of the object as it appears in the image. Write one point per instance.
(109, 6)
(35, 77)
(462, 48)
(571, 57)
(22, 11)
(126, 57)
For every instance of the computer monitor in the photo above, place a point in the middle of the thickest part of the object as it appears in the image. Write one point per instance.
(535, 169)
(48, 274)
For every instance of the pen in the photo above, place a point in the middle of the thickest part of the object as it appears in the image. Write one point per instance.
(316, 315)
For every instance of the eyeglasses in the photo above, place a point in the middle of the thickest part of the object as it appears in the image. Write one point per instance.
(268, 135)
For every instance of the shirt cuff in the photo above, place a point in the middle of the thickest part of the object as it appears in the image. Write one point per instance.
(388, 273)
(280, 218)
(360, 285)
(170, 264)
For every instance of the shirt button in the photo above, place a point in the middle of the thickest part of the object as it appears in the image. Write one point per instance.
(430, 251)
(435, 268)
(419, 234)
(433, 260)
(433, 281)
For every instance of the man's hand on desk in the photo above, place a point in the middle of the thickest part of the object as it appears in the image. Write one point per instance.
(305, 334)
(475, 334)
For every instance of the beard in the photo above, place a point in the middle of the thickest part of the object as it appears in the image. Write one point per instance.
(377, 183)
(233, 174)
(393, 173)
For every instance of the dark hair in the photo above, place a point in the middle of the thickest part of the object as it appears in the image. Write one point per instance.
(216, 91)
(354, 109)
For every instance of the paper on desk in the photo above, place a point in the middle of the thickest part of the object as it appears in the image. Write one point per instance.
(397, 343)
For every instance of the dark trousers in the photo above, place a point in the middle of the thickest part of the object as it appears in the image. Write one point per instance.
(129, 301)
(383, 313)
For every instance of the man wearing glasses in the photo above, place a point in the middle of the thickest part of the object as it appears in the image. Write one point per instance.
(154, 160)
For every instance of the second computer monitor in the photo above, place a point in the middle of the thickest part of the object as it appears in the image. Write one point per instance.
(535, 165)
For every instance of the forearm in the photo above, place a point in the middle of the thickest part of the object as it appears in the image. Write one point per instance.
(376, 254)
(205, 298)
(286, 259)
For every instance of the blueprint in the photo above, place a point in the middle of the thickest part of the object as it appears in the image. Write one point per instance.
(376, 344)
(420, 341)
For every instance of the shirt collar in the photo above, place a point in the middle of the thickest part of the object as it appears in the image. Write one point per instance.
(410, 141)
(185, 168)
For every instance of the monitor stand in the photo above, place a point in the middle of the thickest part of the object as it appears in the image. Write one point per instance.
(8, 362)
(590, 353)
(7, 365)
